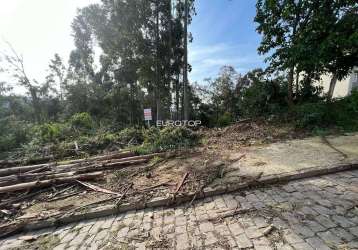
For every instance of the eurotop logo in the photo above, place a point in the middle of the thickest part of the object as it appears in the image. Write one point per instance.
(178, 123)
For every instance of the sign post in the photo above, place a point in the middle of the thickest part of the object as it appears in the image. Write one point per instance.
(148, 116)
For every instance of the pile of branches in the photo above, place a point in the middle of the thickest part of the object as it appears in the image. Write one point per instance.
(21, 184)
(32, 177)
(249, 132)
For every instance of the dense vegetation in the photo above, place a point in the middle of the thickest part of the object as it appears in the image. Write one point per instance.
(88, 105)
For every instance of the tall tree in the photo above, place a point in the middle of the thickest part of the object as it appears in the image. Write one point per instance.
(329, 42)
(281, 22)
(141, 46)
(57, 74)
(314, 37)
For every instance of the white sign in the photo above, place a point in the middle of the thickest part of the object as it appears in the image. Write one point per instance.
(147, 114)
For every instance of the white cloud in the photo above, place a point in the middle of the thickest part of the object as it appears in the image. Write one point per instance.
(196, 53)
(207, 60)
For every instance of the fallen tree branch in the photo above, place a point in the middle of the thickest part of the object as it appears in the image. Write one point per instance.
(63, 196)
(96, 188)
(180, 184)
(155, 186)
(231, 214)
(18, 170)
(16, 179)
(44, 183)
(116, 155)
(268, 230)
(69, 164)
(104, 200)
(27, 196)
(139, 157)
(39, 169)
(106, 164)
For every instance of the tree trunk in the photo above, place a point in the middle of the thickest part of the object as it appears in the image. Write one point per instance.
(290, 87)
(44, 183)
(297, 82)
(35, 104)
(185, 73)
(131, 102)
(110, 165)
(177, 97)
(332, 86)
(16, 179)
(158, 85)
(17, 170)
(119, 155)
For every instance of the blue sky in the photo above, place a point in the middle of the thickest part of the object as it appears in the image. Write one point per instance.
(224, 34)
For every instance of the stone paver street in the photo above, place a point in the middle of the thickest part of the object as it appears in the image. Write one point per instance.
(315, 213)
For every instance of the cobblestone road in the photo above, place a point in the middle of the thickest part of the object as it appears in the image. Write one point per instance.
(316, 213)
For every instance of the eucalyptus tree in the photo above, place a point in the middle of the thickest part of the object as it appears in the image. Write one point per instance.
(141, 48)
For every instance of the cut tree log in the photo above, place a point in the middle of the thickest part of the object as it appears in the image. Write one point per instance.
(22, 169)
(111, 159)
(108, 166)
(16, 179)
(116, 155)
(44, 160)
(27, 196)
(62, 171)
(11, 163)
(45, 183)
(139, 157)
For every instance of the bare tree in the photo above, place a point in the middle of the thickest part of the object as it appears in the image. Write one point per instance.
(14, 66)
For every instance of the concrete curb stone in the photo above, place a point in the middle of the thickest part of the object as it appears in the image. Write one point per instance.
(107, 210)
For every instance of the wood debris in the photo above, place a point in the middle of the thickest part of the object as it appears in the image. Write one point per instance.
(229, 214)
(97, 189)
(180, 184)
(268, 230)
(56, 181)
(49, 182)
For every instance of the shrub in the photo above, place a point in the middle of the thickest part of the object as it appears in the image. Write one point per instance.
(309, 115)
(225, 119)
(151, 135)
(167, 138)
(341, 113)
(133, 135)
(170, 138)
(48, 132)
(346, 112)
(13, 133)
(263, 98)
(176, 137)
(81, 121)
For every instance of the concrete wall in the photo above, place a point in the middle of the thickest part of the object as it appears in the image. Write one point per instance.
(344, 87)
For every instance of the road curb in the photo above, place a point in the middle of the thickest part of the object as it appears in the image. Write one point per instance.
(107, 210)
